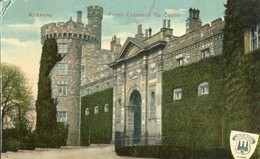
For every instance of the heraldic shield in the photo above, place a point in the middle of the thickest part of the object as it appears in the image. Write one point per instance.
(243, 144)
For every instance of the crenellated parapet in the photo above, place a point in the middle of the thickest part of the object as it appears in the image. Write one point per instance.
(67, 30)
(215, 28)
(95, 11)
(95, 16)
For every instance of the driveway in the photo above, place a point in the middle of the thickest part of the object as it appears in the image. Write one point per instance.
(107, 152)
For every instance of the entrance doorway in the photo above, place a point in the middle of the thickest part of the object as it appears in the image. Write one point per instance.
(135, 101)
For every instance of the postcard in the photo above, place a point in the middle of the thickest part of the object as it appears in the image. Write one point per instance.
(112, 78)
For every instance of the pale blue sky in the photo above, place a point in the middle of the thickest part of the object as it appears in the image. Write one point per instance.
(21, 33)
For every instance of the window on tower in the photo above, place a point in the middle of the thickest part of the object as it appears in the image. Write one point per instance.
(63, 48)
(62, 90)
(63, 69)
(61, 116)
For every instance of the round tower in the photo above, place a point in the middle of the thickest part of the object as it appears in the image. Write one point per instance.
(66, 75)
(95, 15)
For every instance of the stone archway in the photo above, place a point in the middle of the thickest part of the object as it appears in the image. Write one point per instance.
(135, 101)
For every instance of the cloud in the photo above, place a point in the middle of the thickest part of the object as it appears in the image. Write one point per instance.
(121, 35)
(25, 54)
(34, 27)
(17, 42)
(108, 17)
(180, 11)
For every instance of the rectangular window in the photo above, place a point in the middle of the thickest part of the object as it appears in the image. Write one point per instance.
(63, 69)
(255, 36)
(61, 116)
(177, 94)
(203, 88)
(62, 90)
(180, 61)
(62, 48)
(204, 53)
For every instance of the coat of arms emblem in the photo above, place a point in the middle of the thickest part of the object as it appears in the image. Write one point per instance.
(243, 144)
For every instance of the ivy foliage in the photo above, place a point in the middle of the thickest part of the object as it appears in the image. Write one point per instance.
(97, 128)
(193, 121)
(241, 77)
(47, 129)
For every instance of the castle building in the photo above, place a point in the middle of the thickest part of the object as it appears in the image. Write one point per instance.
(133, 71)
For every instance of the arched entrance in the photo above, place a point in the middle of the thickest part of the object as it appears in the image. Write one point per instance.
(135, 102)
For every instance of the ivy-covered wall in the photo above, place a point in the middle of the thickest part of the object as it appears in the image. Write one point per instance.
(243, 95)
(97, 128)
(204, 122)
(193, 121)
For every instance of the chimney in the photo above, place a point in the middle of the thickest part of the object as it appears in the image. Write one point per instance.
(79, 17)
(164, 23)
(139, 29)
(146, 32)
(169, 24)
(150, 32)
(198, 13)
(190, 11)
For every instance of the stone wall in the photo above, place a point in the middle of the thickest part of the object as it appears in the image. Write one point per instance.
(190, 45)
(69, 103)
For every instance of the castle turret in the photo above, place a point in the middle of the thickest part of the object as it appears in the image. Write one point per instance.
(115, 45)
(95, 15)
(193, 22)
(79, 17)
(74, 43)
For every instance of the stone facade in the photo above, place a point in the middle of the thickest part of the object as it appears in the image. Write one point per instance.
(133, 70)
(76, 43)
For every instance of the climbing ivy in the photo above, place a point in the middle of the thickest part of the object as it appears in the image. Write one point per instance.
(97, 128)
(48, 132)
(193, 121)
(241, 77)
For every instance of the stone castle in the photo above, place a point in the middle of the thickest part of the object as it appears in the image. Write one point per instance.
(134, 70)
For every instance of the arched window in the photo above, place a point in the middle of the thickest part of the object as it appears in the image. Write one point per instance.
(96, 110)
(152, 107)
(106, 109)
(203, 88)
(87, 111)
(118, 111)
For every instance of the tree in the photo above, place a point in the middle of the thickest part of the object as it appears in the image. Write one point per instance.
(16, 98)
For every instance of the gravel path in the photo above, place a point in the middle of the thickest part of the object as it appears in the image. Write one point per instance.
(104, 152)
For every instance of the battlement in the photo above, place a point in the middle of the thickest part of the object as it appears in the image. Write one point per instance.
(205, 31)
(67, 30)
(95, 8)
(64, 25)
(95, 11)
